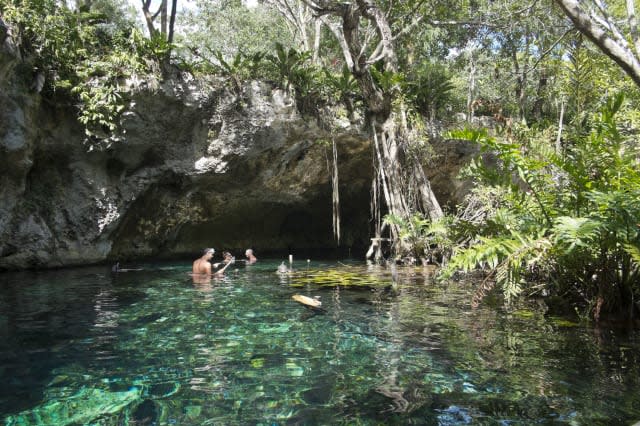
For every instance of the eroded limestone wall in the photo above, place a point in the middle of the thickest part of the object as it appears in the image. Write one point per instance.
(195, 165)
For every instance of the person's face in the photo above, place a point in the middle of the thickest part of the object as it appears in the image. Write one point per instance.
(210, 254)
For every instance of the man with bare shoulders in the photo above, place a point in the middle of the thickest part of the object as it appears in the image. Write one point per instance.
(202, 266)
(251, 258)
(227, 257)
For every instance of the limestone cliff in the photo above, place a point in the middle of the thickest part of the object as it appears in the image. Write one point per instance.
(193, 166)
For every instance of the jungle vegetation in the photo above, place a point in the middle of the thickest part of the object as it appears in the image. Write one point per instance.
(556, 211)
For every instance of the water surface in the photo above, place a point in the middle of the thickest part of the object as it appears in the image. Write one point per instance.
(85, 346)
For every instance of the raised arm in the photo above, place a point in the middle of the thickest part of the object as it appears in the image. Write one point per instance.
(221, 271)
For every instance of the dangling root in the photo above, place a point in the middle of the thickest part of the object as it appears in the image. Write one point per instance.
(332, 166)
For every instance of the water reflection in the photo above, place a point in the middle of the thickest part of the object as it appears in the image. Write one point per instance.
(238, 350)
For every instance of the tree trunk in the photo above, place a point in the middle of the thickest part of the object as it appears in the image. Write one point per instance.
(397, 175)
(148, 17)
(539, 102)
(339, 35)
(471, 90)
(316, 41)
(163, 18)
(605, 41)
(172, 21)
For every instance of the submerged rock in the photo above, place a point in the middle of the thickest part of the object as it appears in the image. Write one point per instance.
(146, 413)
(83, 407)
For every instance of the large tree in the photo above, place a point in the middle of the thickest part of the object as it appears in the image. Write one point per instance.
(369, 42)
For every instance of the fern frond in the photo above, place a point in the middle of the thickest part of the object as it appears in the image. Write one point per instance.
(633, 252)
(486, 254)
(506, 258)
(575, 232)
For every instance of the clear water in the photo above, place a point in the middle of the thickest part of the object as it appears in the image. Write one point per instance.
(82, 346)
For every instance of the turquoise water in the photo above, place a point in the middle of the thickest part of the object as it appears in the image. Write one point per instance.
(84, 346)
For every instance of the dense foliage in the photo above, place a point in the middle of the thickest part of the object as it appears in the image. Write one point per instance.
(557, 210)
(563, 221)
(231, 28)
(84, 55)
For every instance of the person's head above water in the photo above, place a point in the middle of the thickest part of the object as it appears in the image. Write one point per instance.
(283, 269)
(250, 256)
(208, 252)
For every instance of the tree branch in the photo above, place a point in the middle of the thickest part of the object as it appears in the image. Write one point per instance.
(384, 30)
(341, 41)
(606, 22)
(624, 57)
(148, 16)
(546, 52)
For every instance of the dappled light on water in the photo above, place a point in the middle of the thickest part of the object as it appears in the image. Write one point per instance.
(387, 346)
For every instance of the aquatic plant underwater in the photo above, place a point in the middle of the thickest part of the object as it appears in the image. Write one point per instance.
(85, 346)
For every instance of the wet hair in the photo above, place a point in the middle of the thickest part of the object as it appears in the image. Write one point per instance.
(207, 250)
(226, 254)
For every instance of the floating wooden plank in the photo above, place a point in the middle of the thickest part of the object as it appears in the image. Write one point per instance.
(309, 301)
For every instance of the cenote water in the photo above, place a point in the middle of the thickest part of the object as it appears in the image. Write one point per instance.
(84, 346)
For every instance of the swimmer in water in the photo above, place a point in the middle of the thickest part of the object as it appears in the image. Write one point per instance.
(283, 269)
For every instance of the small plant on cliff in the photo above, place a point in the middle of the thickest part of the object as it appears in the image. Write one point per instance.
(421, 238)
(100, 84)
(343, 87)
(289, 66)
(236, 70)
(85, 53)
